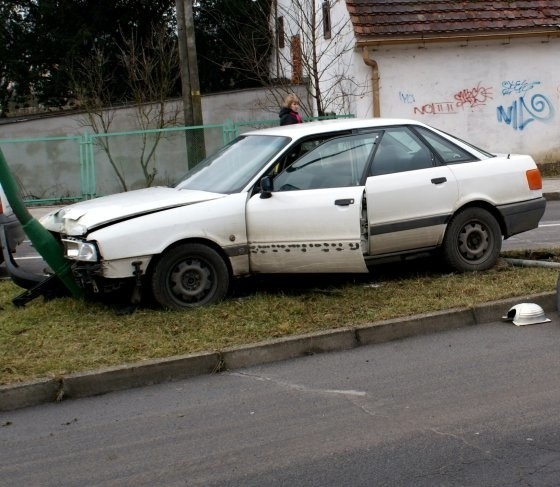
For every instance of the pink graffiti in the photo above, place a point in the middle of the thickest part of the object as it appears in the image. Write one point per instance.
(473, 96)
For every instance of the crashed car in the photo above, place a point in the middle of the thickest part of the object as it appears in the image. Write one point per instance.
(321, 197)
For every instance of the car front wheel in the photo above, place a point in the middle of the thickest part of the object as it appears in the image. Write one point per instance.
(190, 275)
(473, 240)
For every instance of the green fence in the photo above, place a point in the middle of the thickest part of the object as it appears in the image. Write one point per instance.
(54, 170)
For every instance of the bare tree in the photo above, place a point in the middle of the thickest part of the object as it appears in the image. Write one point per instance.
(151, 74)
(307, 49)
(319, 53)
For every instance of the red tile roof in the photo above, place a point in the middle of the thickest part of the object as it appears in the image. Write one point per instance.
(378, 20)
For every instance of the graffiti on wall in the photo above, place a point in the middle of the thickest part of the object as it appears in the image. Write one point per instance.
(465, 98)
(407, 98)
(473, 97)
(436, 108)
(525, 108)
(523, 104)
(519, 87)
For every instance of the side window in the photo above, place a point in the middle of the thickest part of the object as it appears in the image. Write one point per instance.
(447, 150)
(399, 151)
(295, 153)
(336, 163)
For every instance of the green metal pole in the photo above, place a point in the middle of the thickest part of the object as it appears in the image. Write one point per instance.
(42, 240)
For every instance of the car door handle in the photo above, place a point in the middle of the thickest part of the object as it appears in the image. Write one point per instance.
(344, 202)
(439, 180)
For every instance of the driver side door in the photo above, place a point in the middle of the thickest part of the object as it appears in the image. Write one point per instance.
(313, 219)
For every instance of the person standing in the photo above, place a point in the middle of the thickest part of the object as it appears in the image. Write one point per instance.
(289, 111)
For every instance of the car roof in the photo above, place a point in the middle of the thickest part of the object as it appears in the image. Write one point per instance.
(317, 127)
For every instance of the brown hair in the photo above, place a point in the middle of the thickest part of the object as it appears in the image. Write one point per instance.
(291, 98)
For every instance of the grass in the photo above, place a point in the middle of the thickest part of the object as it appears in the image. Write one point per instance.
(550, 169)
(65, 335)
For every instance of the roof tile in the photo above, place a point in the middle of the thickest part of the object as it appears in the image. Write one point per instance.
(384, 19)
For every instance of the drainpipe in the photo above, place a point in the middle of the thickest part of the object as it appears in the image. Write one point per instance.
(374, 80)
(42, 240)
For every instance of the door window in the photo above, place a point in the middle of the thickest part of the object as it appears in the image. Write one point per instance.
(337, 163)
(399, 151)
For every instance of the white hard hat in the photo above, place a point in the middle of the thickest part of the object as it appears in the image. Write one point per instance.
(526, 314)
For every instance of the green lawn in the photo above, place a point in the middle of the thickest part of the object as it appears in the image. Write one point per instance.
(64, 335)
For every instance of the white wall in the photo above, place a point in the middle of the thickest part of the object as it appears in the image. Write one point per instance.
(237, 105)
(51, 168)
(503, 97)
(334, 60)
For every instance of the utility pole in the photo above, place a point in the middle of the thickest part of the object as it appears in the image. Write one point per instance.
(190, 84)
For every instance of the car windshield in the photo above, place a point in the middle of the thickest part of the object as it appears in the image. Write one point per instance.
(233, 166)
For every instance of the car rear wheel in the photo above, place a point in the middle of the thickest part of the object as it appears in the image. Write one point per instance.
(473, 240)
(190, 275)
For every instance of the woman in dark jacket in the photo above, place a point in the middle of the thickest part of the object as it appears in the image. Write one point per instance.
(289, 111)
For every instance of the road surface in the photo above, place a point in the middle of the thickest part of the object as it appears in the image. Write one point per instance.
(477, 406)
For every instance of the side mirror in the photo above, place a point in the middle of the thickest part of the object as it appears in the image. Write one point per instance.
(267, 186)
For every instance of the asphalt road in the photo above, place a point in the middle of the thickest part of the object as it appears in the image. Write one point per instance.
(476, 406)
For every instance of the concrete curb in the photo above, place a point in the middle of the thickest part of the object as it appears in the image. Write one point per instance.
(151, 372)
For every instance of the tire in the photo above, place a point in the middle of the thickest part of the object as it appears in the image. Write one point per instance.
(473, 240)
(190, 275)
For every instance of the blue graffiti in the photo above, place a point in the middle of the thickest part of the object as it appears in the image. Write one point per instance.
(519, 114)
(406, 97)
(518, 86)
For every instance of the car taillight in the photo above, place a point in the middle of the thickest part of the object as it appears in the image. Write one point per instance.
(534, 179)
(1, 208)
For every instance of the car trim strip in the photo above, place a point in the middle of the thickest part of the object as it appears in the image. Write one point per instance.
(236, 250)
(408, 225)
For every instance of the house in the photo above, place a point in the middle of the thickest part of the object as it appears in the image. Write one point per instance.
(484, 70)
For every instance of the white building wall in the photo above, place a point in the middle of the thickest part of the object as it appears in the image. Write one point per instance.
(501, 95)
(505, 97)
(335, 56)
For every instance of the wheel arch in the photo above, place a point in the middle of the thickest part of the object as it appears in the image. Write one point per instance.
(209, 243)
(485, 205)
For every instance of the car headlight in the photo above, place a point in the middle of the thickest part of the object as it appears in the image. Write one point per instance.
(80, 250)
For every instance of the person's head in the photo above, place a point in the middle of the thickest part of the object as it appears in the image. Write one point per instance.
(291, 101)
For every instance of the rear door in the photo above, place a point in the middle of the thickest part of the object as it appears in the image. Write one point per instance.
(409, 199)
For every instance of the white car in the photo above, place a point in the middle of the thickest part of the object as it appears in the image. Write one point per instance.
(319, 197)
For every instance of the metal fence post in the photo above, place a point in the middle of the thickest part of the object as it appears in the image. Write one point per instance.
(229, 131)
(87, 167)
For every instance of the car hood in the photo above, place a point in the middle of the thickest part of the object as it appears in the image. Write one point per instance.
(81, 218)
